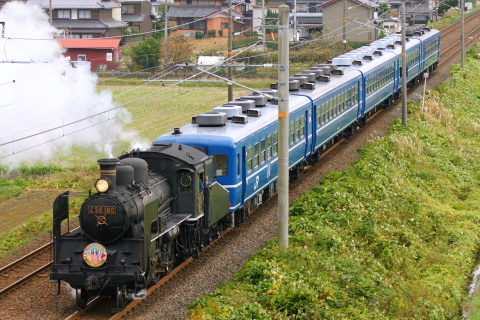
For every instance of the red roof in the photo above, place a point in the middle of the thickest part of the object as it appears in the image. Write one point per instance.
(89, 43)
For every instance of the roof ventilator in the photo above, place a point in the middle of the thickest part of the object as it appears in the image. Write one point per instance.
(229, 109)
(260, 100)
(240, 119)
(210, 119)
(342, 61)
(254, 113)
(310, 76)
(303, 81)
(330, 67)
(317, 72)
(309, 86)
(293, 85)
(273, 93)
(244, 103)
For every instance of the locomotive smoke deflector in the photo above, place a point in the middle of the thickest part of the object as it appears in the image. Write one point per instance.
(108, 175)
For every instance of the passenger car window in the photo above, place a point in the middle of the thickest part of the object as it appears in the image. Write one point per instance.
(221, 163)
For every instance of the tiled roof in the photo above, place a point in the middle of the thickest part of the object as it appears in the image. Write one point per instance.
(417, 8)
(365, 3)
(192, 11)
(88, 24)
(132, 17)
(76, 4)
(89, 43)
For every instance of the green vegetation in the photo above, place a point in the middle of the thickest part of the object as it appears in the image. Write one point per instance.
(13, 182)
(12, 239)
(395, 236)
(146, 54)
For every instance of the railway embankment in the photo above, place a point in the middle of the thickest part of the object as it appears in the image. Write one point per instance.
(395, 236)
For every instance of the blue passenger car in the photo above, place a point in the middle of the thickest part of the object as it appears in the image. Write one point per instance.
(327, 102)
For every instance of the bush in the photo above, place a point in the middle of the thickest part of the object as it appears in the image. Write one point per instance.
(212, 33)
(220, 32)
(199, 35)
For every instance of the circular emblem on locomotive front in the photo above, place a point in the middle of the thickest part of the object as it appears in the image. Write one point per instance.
(95, 255)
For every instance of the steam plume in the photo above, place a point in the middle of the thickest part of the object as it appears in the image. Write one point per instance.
(46, 104)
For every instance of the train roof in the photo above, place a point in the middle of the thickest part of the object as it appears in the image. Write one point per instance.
(233, 132)
(267, 115)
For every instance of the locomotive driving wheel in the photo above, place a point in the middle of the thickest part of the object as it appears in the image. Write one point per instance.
(81, 298)
(121, 297)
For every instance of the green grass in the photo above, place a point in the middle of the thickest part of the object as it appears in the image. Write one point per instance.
(395, 236)
(12, 239)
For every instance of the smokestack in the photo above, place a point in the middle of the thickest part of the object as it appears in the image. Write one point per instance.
(108, 171)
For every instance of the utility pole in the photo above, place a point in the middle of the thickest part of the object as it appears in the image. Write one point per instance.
(283, 127)
(344, 26)
(462, 21)
(263, 26)
(165, 35)
(230, 51)
(404, 68)
(50, 13)
(294, 21)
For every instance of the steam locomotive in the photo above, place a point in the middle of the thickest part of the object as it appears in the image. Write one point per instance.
(155, 208)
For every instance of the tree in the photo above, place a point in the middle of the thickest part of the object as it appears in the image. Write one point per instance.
(446, 5)
(272, 20)
(177, 50)
(146, 54)
(160, 24)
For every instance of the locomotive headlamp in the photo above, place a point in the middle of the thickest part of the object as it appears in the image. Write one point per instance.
(102, 185)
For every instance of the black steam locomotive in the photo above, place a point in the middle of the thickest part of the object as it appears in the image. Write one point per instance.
(153, 210)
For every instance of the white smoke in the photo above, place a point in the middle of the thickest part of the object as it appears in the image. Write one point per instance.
(46, 104)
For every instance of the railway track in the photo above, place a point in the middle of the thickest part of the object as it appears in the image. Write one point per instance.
(84, 313)
(37, 262)
(22, 270)
(452, 49)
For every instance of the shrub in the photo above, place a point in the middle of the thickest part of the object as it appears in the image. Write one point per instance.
(212, 33)
(199, 35)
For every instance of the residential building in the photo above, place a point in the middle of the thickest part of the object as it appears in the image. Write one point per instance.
(84, 19)
(102, 54)
(193, 16)
(416, 11)
(349, 20)
(139, 16)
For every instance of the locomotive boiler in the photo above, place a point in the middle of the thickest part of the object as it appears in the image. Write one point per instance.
(152, 210)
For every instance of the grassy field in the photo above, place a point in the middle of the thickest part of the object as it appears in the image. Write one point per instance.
(161, 108)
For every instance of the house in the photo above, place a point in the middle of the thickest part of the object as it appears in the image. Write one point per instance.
(103, 54)
(307, 17)
(139, 16)
(392, 24)
(204, 15)
(349, 20)
(85, 19)
(416, 11)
